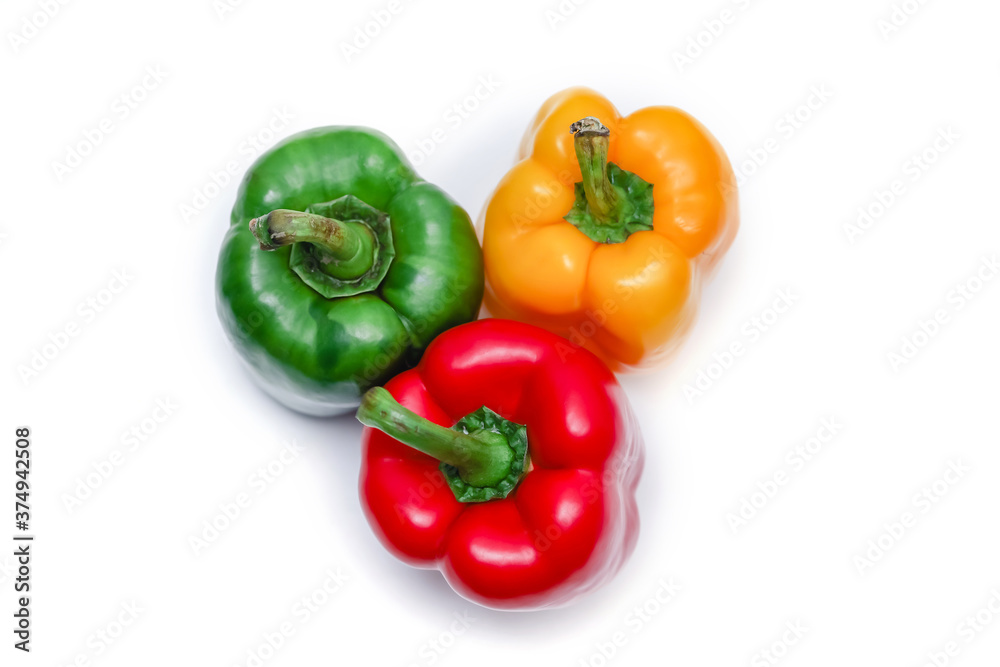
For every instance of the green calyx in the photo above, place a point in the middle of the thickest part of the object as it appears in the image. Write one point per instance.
(339, 248)
(483, 456)
(486, 424)
(611, 203)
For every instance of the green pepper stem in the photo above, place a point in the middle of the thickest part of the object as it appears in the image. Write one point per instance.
(348, 247)
(590, 139)
(483, 458)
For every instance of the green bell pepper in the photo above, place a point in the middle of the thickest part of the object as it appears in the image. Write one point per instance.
(340, 266)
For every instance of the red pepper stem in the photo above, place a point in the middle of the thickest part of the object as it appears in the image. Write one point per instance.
(349, 246)
(483, 458)
(590, 139)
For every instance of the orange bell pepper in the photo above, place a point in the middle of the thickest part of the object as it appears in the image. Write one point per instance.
(605, 229)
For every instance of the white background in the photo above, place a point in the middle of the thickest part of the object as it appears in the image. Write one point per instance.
(795, 561)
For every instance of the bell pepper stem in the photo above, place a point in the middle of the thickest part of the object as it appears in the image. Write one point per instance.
(483, 458)
(590, 139)
(348, 246)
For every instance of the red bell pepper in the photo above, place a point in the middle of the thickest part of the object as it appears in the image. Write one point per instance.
(509, 463)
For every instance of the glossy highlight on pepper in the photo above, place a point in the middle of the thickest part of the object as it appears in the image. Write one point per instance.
(447, 483)
(608, 225)
(340, 266)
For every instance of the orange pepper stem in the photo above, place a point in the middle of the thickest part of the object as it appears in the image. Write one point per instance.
(590, 139)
